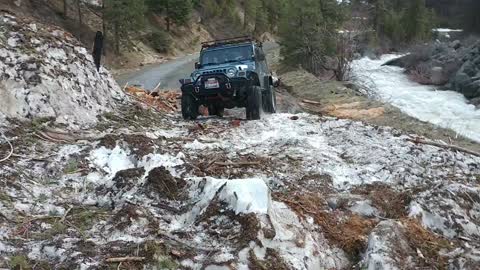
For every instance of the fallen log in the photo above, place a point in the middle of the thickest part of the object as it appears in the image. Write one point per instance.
(124, 259)
(310, 102)
(246, 163)
(444, 146)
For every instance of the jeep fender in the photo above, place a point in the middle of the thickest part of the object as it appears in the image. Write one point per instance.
(253, 77)
(187, 88)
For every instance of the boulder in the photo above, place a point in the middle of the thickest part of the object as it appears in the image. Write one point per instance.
(437, 77)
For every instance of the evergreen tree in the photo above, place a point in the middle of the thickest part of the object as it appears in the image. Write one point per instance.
(123, 17)
(418, 21)
(307, 32)
(175, 11)
(250, 11)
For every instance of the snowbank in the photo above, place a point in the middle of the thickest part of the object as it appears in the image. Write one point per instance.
(447, 109)
(45, 72)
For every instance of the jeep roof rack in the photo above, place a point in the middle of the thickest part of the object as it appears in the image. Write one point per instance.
(227, 41)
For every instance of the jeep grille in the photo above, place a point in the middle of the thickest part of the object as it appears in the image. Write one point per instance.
(215, 71)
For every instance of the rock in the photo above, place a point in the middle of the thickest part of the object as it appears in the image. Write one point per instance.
(471, 90)
(364, 209)
(388, 248)
(476, 102)
(437, 76)
(456, 44)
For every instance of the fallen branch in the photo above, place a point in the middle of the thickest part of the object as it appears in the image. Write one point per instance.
(445, 146)
(124, 259)
(11, 148)
(245, 163)
(66, 214)
(310, 102)
(187, 243)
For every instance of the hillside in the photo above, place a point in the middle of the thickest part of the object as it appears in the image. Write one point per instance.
(150, 44)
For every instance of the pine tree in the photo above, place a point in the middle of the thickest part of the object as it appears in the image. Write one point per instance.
(418, 21)
(250, 8)
(176, 11)
(307, 32)
(123, 17)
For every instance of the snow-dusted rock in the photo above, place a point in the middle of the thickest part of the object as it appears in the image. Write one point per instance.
(452, 210)
(45, 72)
(387, 248)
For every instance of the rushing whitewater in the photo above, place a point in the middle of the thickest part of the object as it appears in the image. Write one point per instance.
(447, 109)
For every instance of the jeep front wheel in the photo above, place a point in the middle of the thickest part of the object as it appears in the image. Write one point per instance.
(270, 101)
(189, 107)
(254, 103)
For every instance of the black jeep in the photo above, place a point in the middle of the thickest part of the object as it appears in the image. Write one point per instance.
(231, 73)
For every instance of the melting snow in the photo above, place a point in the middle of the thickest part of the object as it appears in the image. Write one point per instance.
(112, 161)
(447, 109)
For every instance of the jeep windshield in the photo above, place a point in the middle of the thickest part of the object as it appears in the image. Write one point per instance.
(226, 55)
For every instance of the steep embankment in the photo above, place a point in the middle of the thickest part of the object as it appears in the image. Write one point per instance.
(47, 73)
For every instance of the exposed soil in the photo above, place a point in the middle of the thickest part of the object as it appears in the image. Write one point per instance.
(140, 145)
(161, 182)
(126, 179)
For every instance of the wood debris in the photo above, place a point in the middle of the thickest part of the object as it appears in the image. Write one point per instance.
(164, 101)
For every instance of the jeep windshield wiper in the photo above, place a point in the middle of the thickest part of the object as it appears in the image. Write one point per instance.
(233, 61)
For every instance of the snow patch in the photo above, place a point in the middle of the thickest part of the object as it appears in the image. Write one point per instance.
(112, 161)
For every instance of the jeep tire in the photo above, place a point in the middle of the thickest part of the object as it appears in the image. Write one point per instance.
(269, 101)
(189, 107)
(216, 109)
(254, 103)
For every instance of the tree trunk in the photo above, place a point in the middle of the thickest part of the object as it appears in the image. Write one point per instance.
(65, 9)
(104, 29)
(117, 39)
(167, 10)
(79, 11)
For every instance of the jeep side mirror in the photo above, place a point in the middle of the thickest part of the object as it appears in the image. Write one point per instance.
(197, 65)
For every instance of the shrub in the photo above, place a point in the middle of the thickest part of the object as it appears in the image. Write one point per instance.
(160, 41)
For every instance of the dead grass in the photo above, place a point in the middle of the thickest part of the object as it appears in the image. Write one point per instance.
(427, 243)
(161, 182)
(272, 260)
(390, 202)
(349, 233)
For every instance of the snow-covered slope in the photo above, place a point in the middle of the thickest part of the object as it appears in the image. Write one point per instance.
(46, 72)
(446, 109)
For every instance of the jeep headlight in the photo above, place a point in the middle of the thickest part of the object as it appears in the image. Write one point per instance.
(231, 72)
(195, 75)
